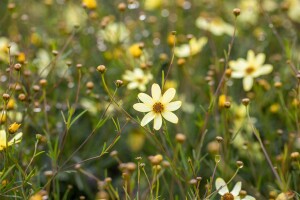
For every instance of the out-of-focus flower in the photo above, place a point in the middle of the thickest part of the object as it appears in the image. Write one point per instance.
(293, 9)
(270, 5)
(4, 49)
(215, 25)
(153, 4)
(137, 79)
(13, 128)
(192, 48)
(285, 196)
(136, 140)
(222, 189)
(90, 4)
(249, 69)
(21, 57)
(135, 50)
(114, 33)
(250, 11)
(74, 16)
(16, 139)
(158, 106)
(222, 100)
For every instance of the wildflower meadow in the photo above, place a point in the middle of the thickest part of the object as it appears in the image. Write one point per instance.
(150, 99)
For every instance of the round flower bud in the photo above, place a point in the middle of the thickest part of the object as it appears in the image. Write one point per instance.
(6, 96)
(122, 7)
(119, 83)
(180, 137)
(101, 68)
(240, 164)
(245, 101)
(236, 11)
(17, 66)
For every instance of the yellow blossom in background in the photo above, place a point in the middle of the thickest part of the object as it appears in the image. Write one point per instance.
(152, 4)
(249, 69)
(170, 84)
(74, 16)
(158, 106)
(274, 108)
(3, 116)
(4, 49)
(137, 79)
(222, 100)
(293, 9)
(90, 4)
(215, 25)
(13, 128)
(21, 57)
(135, 50)
(136, 140)
(171, 39)
(16, 139)
(192, 48)
(11, 104)
(250, 11)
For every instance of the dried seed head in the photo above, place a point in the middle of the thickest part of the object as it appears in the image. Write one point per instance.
(17, 66)
(156, 160)
(36, 88)
(295, 155)
(48, 173)
(228, 73)
(108, 180)
(55, 53)
(240, 164)
(101, 69)
(245, 101)
(77, 166)
(43, 82)
(119, 83)
(193, 181)
(6, 97)
(165, 164)
(130, 166)
(122, 7)
(79, 66)
(219, 139)
(22, 97)
(277, 84)
(181, 62)
(180, 138)
(90, 85)
(236, 11)
(227, 104)
(113, 153)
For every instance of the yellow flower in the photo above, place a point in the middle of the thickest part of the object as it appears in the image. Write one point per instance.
(13, 128)
(158, 106)
(90, 4)
(114, 33)
(16, 139)
(152, 4)
(194, 47)
(4, 44)
(21, 57)
(3, 117)
(250, 11)
(137, 78)
(293, 9)
(222, 100)
(249, 69)
(135, 50)
(11, 104)
(215, 25)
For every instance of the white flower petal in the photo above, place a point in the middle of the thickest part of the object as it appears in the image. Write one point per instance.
(248, 197)
(173, 106)
(147, 118)
(168, 95)
(265, 69)
(237, 188)
(145, 98)
(156, 92)
(142, 88)
(237, 74)
(132, 85)
(171, 117)
(260, 59)
(247, 83)
(221, 186)
(16, 139)
(251, 56)
(141, 107)
(237, 198)
(157, 122)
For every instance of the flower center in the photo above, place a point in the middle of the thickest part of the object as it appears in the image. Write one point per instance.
(158, 107)
(250, 70)
(228, 196)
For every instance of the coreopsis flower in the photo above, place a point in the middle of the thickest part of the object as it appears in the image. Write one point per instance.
(192, 48)
(250, 11)
(3, 144)
(222, 189)
(74, 16)
(90, 4)
(7, 47)
(158, 106)
(135, 50)
(13, 128)
(215, 25)
(114, 33)
(249, 69)
(137, 79)
(293, 9)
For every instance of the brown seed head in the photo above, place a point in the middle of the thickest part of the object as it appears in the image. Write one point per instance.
(17, 66)
(236, 11)
(101, 69)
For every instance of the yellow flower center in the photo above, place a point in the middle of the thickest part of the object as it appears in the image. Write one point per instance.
(250, 69)
(158, 107)
(228, 196)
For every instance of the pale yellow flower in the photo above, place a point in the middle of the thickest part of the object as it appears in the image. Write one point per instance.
(222, 189)
(215, 25)
(152, 4)
(250, 11)
(249, 69)
(74, 16)
(192, 48)
(90, 4)
(293, 9)
(16, 139)
(4, 44)
(114, 33)
(158, 106)
(137, 79)
(135, 50)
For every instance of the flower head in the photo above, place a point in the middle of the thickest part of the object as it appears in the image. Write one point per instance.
(90, 4)
(222, 189)
(16, 139)
(13, 128)
(158, 106)
(137, 78)
(249, 69)
(194, 47)
(215, 25)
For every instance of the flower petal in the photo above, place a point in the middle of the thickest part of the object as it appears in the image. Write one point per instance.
(156, 92)
(237, 74)
(237, 198)
(171, 117)
(251, 56)
(132, 85)
(221, 186)
(147, 118)
(260, 59)
(168, 95)
(141, 107)
(2, 137)
(247, 83)
(237, 188)
(265, 69)
(173, 106)
(145, 98)
(157, 122)
(248, 197)
(16, 139)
